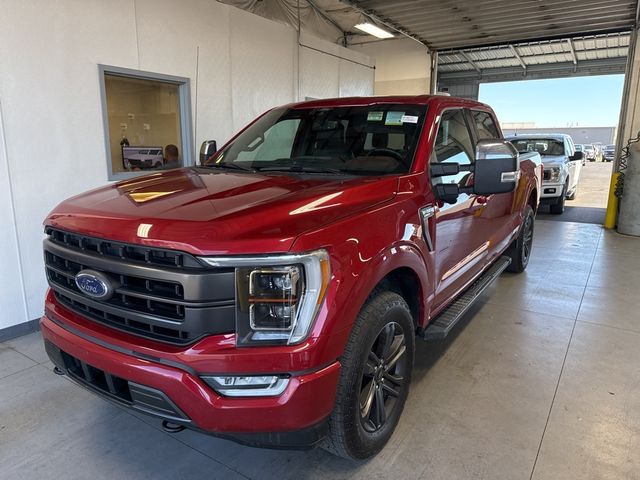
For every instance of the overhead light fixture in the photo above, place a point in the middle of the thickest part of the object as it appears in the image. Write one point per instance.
(374, 30)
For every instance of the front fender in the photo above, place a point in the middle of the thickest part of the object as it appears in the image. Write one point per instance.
(400, 255)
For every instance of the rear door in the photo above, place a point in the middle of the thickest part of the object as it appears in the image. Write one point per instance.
(498, 212)
(461, 235)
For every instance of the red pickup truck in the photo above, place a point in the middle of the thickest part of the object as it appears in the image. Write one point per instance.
(273, 295)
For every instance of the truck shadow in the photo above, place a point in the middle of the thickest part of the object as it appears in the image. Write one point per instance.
(429, 352)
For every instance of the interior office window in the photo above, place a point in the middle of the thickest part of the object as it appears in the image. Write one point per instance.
(147, 122)
(485, 125)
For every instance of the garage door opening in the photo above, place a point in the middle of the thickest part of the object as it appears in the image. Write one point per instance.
(587, 109)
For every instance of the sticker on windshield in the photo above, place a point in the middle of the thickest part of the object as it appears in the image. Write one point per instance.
(374, 116)
(394, 118)
(409, 119)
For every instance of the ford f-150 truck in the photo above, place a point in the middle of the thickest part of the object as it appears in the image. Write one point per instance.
(273, 295)
(562, 166)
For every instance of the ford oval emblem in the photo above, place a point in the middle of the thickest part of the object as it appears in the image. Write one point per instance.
(94, 284)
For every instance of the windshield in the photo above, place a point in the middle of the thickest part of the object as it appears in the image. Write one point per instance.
(588, 148)
(579, 148)
(544, 146)
(360, 140)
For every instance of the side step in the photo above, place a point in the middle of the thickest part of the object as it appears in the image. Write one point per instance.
(443, 323)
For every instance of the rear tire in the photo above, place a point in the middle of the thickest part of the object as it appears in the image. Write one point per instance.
(374, 378)
(520, 249)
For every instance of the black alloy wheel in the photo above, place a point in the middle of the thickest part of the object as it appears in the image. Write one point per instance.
(383, 379)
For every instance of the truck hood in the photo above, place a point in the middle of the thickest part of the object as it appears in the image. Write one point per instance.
(207, 212)
(553, 160)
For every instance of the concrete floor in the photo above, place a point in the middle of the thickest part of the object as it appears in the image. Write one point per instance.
(541, 381)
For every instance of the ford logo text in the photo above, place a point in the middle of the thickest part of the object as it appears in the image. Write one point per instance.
(94, 284)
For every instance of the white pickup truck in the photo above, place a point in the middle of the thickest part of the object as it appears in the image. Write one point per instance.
(562, 166)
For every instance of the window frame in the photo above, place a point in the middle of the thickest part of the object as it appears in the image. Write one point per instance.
(475, 126)
(184, 98)
(470, 129)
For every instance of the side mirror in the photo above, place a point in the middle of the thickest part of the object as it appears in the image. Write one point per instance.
(497, 168)
(208, 148)
(577, 156)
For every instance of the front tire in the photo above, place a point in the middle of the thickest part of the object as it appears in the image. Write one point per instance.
(374, 379)
(558, 207)
(520, 249)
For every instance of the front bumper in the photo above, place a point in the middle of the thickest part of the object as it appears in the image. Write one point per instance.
(176, 393)
(551, 192)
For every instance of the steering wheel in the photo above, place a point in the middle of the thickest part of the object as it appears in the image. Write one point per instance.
(387, 151)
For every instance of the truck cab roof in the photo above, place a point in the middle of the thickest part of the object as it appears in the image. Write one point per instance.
(431, 100)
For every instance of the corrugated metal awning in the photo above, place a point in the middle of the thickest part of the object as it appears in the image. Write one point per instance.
(454, 24)
(605, 53)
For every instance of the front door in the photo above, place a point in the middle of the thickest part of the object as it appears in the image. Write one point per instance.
(461, 236)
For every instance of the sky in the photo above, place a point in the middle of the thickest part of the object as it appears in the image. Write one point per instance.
(579, 101)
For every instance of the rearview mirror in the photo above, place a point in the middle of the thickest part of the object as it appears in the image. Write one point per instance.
(208, 148)
(577, 156)
(497, 168)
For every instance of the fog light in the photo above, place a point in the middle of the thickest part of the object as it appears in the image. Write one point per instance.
(252, 386)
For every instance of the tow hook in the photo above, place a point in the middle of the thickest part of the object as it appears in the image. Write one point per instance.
(58, 371)
(172, 427)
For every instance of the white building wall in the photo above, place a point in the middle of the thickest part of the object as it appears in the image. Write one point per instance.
(51, 128)
(403, 66)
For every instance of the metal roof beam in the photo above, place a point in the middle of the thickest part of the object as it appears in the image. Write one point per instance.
(471, 62)
(517, 55)
(574, 58)
(506, 74)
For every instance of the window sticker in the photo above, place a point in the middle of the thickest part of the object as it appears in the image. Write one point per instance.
(409, 119)
(374, 116)
(394, 118)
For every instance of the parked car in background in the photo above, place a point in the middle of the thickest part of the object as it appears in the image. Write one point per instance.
(609, 153)
(580, 148)
(273, 294)
(589, 152)
(562, 166)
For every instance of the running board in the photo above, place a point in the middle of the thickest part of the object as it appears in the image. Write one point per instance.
(443, 323)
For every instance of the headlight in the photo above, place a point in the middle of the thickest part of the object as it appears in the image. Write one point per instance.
(552, 174)
(277, 297)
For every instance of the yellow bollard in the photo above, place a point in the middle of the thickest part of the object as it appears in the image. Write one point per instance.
(611, 216)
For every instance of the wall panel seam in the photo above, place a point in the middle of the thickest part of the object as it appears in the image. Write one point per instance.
(3, 142)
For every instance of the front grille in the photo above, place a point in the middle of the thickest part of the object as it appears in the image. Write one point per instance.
(130, 394)
(144, 295)
(168, 334)
(169, 304)
(123, 251)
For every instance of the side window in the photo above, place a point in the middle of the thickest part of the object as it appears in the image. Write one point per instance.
(485, 125)
(453, 145)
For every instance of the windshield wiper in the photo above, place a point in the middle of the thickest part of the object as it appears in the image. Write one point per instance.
(301, 169)
(230, 166)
